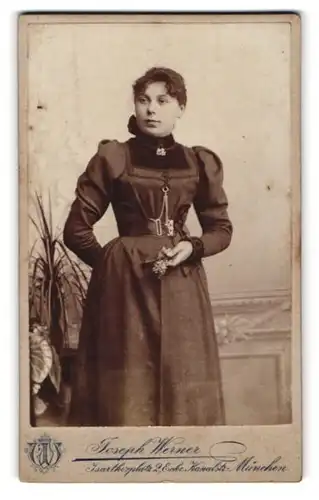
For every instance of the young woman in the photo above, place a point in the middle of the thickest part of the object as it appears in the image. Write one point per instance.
(147, 351)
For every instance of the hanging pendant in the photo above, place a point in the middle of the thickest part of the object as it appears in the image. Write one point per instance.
(169, 223)
(161, 151)
(170, 227)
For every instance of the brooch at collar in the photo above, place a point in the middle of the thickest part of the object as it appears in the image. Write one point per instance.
(161, 151)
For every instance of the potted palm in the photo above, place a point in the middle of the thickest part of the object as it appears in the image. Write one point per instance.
(57, 289)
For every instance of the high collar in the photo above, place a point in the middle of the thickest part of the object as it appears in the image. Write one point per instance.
(149, 141)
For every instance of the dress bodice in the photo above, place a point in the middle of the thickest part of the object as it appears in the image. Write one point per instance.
(143, 194)
(130, 176)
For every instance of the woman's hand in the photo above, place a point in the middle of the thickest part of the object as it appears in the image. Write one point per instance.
(177, 254)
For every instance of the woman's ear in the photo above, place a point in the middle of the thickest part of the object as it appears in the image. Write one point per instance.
(181, 110)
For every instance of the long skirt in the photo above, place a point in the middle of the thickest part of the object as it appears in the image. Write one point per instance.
(147, 353)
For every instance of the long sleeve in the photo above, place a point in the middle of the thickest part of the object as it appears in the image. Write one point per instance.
(93, 195)
(211, 204)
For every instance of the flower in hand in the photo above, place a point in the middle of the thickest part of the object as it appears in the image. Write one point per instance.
(160, 267)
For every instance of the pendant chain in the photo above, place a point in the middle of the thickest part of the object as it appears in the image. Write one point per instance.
(168, 223)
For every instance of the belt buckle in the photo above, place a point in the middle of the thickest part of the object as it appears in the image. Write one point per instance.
(158, 226)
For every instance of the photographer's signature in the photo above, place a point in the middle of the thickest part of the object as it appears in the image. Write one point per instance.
(174, 454)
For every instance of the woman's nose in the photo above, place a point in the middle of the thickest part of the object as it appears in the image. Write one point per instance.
(151, 108)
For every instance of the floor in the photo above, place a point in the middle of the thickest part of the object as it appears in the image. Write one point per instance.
(56, 414)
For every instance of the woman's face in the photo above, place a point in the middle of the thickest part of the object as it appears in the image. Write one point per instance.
(156, 111)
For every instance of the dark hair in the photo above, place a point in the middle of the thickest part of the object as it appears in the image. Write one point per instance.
(174, 82)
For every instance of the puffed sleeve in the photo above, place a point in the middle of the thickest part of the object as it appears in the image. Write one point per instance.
(92, 197)
(211, 204)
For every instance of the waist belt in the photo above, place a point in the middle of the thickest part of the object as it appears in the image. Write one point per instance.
(153, 227)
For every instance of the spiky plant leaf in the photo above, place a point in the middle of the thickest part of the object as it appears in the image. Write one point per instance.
(55, 371)
(58, 283)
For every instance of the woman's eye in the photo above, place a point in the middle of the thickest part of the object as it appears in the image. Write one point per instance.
(142, 100)
(162, 101)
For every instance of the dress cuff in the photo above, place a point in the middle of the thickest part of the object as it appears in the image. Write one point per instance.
(198, 248)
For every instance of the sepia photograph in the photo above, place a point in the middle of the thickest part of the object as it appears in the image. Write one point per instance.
(159, 224)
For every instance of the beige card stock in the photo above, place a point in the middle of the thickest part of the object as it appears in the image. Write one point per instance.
(242, 74)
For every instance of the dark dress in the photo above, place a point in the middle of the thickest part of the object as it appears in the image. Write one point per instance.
(147, 351)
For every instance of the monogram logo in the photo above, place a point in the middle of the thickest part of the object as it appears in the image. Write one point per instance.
(44, 453)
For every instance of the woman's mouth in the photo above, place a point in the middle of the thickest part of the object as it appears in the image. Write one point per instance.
(152, 123)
